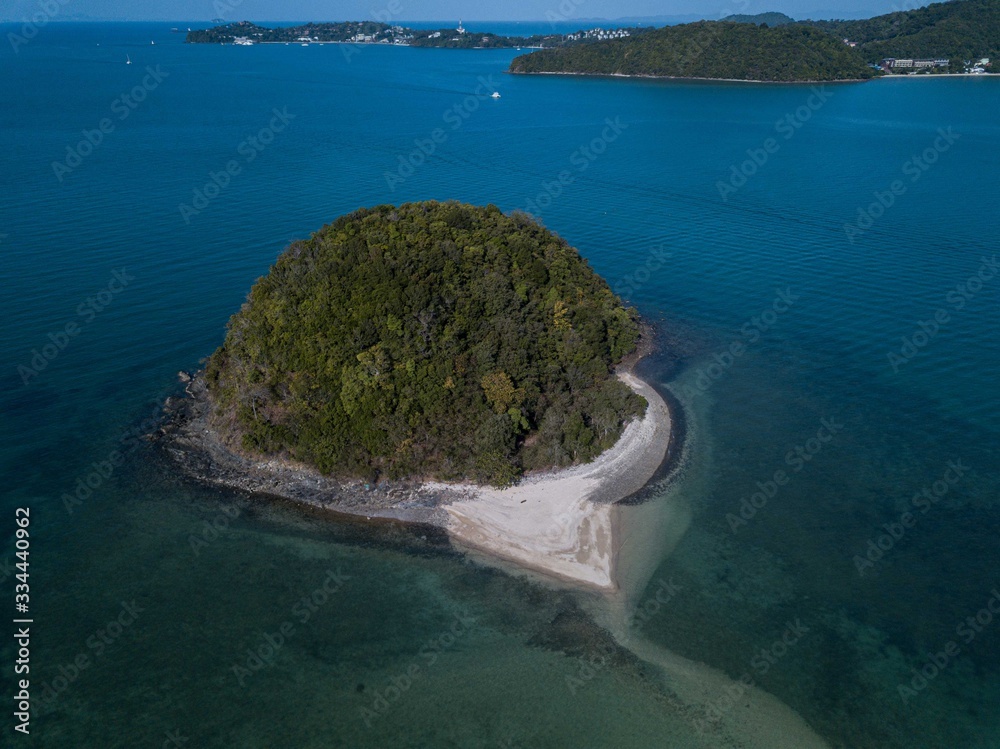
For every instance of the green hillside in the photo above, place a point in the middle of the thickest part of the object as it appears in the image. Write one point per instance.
(963, 29)
(771, 19)
(710, 50)
(432, 339)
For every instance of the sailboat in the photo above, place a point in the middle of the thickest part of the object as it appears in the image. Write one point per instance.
(128, 60)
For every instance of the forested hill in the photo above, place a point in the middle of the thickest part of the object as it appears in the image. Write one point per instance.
(964, 29)
(432, 339)
(771, 19)
(710, 49)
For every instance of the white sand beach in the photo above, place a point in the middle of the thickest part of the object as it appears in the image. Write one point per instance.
(563, 523)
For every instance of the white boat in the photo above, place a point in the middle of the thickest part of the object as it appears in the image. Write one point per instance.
(495, 95)
(128, 60)
(305, 44)
(152, 42)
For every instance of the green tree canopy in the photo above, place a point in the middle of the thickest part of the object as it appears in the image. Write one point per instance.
(429, 339)
(710, 49)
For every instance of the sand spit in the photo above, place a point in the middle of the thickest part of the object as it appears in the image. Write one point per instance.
(563, 523)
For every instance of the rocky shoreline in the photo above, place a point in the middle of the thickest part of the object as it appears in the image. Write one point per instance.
(189, 440)
(557, 521)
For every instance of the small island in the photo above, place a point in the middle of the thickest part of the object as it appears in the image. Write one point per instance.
(246, 33)
(441, 363)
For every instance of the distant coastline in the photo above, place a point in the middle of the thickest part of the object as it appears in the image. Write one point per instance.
(910, 76)
(744, 80)
(685, 78)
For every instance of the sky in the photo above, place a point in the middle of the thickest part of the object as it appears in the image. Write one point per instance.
(425, 10)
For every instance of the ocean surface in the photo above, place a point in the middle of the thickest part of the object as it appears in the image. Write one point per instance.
(820, 268)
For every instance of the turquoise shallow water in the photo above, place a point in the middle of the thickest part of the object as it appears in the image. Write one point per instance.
(640, 198)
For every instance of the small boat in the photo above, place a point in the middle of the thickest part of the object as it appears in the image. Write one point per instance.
(495, 95)
(128, 60)
(305, 44)
(152, 42)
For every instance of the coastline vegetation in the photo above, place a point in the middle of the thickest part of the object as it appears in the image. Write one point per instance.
(710, 49)
(761, 47)
(430, 340)
(957, 30)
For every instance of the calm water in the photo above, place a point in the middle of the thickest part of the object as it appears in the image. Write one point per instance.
(642, 202)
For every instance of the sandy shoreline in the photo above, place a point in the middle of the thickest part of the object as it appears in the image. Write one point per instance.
(563, 523)
(567, 524)
(560, 523)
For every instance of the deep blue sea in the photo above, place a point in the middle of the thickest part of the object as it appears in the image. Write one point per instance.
(820, 268)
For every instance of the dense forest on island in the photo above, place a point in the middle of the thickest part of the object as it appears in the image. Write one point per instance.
(429, 339)
(710, 49)
(964, 29)
(771, 19)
